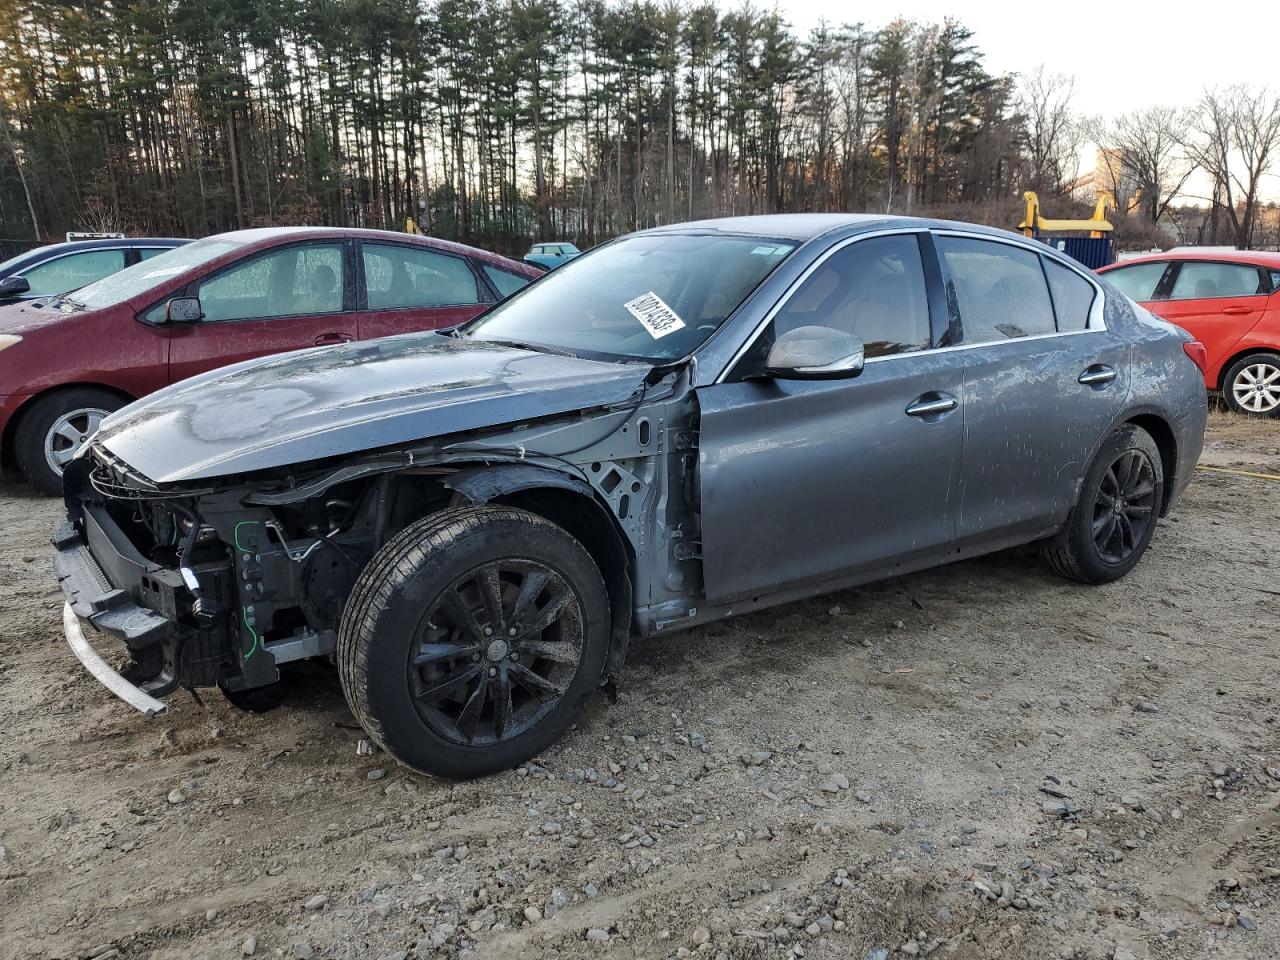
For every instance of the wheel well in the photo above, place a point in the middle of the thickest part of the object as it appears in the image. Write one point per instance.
(592, 526)
(1240, 354)
(1167, 444)
(10, 428)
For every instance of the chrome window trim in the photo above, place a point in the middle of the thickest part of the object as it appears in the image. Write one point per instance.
(1097, 321)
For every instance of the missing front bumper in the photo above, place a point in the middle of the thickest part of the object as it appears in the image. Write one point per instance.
(133, 695)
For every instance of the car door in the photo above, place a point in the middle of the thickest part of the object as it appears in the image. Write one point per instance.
(1216, 302)
(802, 481)
(70, 271)
(284, 298)
(1043, 380)
(407, 288)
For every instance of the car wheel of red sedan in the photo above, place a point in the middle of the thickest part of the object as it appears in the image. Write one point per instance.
(54, 428)
(1252, 385)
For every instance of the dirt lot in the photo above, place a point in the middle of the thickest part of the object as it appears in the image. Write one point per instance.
(980, 761)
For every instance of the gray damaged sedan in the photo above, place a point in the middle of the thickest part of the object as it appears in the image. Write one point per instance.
(685, 424)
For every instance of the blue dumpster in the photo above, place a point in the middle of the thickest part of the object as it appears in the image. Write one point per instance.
(1093, 252)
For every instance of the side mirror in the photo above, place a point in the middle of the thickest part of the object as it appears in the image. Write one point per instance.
(815, 353)
(13, 286)
(183, 310)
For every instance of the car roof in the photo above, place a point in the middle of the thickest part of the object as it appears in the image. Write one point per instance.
(100, 242)
(807, 226)
(269, 236)
(1254, 258)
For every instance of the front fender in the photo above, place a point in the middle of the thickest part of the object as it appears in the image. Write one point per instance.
(521, 484)
(484, 483)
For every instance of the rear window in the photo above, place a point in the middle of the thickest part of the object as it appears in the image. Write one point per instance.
(1138, 282)
(505, 282)
(1072, 296)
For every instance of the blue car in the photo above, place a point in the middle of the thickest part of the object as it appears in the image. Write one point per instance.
(551, 255)
(62, 267)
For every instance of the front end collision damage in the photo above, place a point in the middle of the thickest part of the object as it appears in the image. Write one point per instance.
(221, 583)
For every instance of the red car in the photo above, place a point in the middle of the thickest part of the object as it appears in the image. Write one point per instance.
(1229, 301)
(68, 361)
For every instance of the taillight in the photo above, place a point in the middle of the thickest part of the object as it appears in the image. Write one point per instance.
(1195, 350)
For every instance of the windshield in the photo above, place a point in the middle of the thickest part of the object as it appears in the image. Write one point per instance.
(653, 297)
(141, 277)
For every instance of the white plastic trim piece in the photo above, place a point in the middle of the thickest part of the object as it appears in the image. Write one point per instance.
(102, 671)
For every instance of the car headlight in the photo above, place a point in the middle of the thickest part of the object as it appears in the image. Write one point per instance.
(8, 340)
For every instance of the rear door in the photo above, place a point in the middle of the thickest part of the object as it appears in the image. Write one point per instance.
(285, 298)
(1216, 302)
(407, 288)
(802, 481)
(1043, 380)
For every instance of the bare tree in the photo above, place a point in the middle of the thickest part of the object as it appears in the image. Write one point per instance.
(1234, 135)
(1144, 157)
(1052, 134)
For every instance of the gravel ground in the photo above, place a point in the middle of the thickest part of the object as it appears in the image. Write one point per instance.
(982, 761)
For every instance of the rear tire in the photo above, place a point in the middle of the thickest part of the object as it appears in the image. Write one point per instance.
(1115, 515)
(1251, 385)
(472, 639)
(52, 429)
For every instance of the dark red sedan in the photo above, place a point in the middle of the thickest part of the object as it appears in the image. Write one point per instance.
(68, 361)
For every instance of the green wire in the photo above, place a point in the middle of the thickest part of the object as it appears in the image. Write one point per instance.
(235, 534)
(244, 611)
(244, 615)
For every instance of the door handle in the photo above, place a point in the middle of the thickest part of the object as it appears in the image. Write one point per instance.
(932, 404)
(1237, 311)
(329, 339)
(1097, 375)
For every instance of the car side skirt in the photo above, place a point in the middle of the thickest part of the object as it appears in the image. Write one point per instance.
(670, 617)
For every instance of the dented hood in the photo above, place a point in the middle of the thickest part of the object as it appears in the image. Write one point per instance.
(328, 402)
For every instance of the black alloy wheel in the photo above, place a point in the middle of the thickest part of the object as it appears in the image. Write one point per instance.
(1115, 513)
(1125, 506)
(472, 640)
(496, 651)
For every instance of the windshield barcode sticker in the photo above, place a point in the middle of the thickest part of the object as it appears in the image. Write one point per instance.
(654, 315)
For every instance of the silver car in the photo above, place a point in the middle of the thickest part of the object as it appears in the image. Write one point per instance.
(682, 425)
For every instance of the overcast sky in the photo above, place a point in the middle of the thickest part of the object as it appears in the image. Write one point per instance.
(1124, 54)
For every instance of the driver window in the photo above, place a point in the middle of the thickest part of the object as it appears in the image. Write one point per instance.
(296, 280)
(873, 289)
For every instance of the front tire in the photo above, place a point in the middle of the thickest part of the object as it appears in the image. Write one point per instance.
(1115, 515)
(52, 429)
(1251, 385)
(472, 639)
